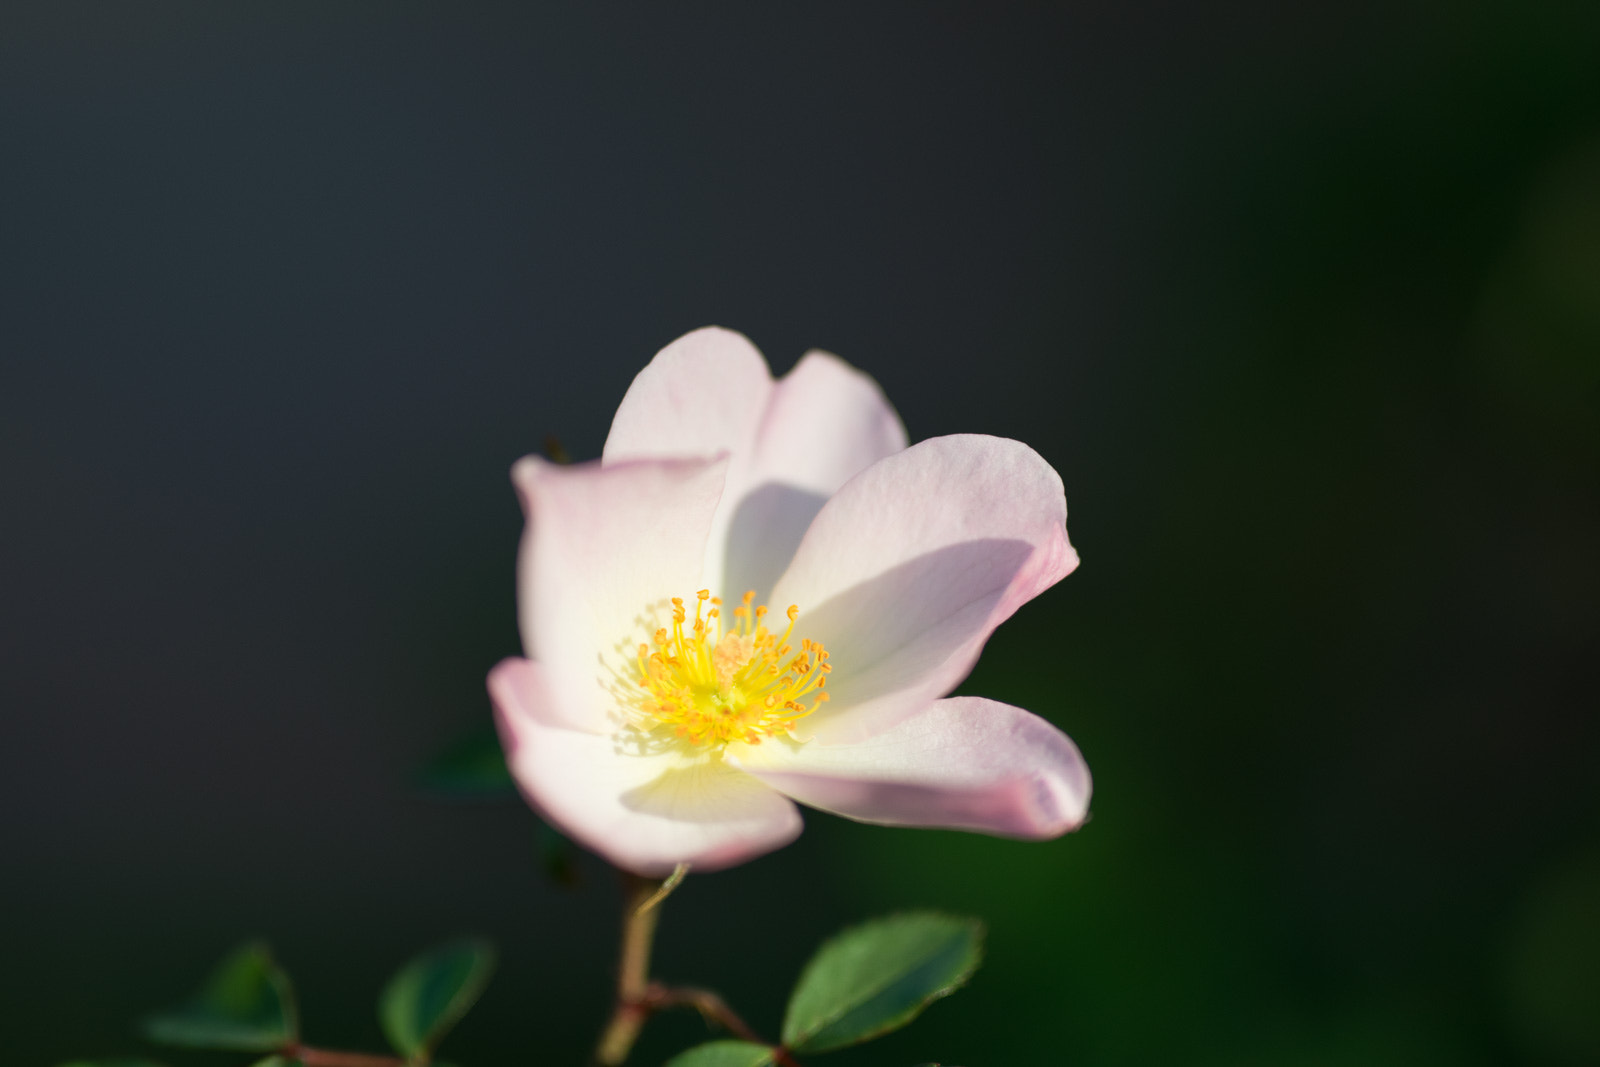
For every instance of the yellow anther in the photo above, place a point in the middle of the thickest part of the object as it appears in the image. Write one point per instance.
(710, 684)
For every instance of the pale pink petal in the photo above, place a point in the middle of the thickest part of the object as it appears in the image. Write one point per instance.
(601, 545)
(703, 394)
(962, 764)
(644, 814)
(912, 564)
(826, 422)
(791, 444)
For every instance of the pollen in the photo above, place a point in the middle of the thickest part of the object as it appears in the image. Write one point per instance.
(709, 681)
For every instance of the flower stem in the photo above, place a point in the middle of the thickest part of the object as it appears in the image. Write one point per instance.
(713, 1009)
(640, 911)
(710, 1006)
(638, 997)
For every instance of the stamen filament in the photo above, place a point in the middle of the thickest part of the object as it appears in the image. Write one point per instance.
(742, 683)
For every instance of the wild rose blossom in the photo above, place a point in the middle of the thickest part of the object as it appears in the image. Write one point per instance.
(664, 715)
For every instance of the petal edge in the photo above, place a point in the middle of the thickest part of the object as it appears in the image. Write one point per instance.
(643, 814)
(963, 763)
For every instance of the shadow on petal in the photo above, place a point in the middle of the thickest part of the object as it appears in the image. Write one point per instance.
(763, 535)
(708, 791)
(918, 626)
(1034, 807)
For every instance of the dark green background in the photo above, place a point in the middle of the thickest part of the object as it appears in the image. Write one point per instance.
(1303, 303)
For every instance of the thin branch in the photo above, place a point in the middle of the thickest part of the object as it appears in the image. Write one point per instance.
(715, 1011)
(638, 998)
(710, 1005)
(639, 916)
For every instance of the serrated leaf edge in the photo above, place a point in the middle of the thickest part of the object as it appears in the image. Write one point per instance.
(977, 925)
(896, 1023)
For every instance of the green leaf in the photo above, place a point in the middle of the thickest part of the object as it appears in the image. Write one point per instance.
(878, 976)
(723, 1054)
(430, 994)
(277, 1061)
(475, 764)
(247, 1004)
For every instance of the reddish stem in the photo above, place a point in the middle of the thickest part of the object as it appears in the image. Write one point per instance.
(633, 971)
(714, 1009)
(707, 1003)
(638, 997)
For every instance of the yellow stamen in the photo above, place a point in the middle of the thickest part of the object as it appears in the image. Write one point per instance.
(739, 683)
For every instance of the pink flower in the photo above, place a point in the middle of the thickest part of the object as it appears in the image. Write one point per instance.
(660, 731)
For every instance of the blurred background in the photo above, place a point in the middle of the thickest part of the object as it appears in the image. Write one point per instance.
(1303, 302)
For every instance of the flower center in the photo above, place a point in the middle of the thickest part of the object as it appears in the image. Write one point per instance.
(741, 682)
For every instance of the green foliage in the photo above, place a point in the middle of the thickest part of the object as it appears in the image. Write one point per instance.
(724, 1054)
(1554, 972)
(430, 994)
(277, 1061)
(475, 764)
(112, 1063)
(878, 976)
(247, 1005)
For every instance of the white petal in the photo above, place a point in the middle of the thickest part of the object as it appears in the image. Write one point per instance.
(964, 764)
(703, 394)
(912, 564)
(791, 444)
(601, 545)
(826, 422)
(644, 814)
